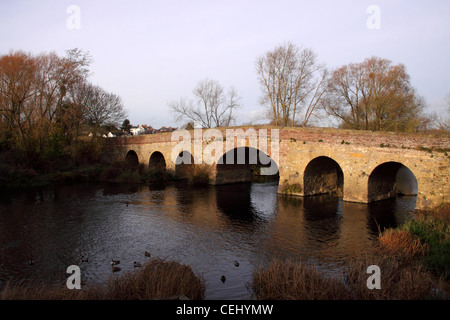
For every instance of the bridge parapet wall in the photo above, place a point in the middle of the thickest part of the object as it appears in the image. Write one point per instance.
(357, 154)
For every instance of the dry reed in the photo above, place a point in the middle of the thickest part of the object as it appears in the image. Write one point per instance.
(401, 244)
(399, 280)
(157, 279)
(287, 280)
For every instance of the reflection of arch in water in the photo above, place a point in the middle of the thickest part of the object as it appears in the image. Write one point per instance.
(240, 165)
(247, 202)
(157, 163)
(381, 216)
(132, 158)
(184, 165)
(323, 175)
(323, 217)
(389, 180)
(234, 202)
(264, 199)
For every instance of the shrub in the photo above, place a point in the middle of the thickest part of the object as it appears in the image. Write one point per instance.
(291, 188)
(157, 279)
(199, 176)
(402, 244)
(432, 228)
(287, 280)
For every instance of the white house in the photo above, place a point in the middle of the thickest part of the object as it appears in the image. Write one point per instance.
(136, 130)
(109, 135)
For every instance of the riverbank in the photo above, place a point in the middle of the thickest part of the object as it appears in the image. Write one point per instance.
(414, 264)
(17, 174)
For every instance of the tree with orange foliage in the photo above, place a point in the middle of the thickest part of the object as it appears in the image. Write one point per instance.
(45, 99)
(374, 95)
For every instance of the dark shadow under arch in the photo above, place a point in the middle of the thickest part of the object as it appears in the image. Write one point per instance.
(391, 179)
(245, 164)
(132, 159)
(157, 163)
(323, 175)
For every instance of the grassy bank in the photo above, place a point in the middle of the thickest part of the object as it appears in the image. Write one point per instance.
(157, 279)
(413, 261)
(16, 173)
(79, 162)
(122, 171)
(432, 228)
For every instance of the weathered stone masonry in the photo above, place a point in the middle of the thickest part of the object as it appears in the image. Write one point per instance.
(358, 165)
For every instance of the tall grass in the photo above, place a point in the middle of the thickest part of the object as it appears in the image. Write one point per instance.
(157, 279)
(122, 171)
(401, 244)
(287, 280)
(399, 280)
(433, 230)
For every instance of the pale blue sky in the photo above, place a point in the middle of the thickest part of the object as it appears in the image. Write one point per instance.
(152, 52)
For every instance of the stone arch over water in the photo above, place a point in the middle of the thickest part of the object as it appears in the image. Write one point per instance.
(157, 162)
(243, 164)
(323, 175)
(390, 179)
(132, 158)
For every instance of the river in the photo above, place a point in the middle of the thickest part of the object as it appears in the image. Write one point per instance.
(207, 228)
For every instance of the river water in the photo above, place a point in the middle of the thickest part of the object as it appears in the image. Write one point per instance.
(207, 228)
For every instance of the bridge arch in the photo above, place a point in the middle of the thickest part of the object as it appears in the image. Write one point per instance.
(157, 162)
(184, 165)
(132, 158)
(242, 164)
(323, 175)
(390, 179)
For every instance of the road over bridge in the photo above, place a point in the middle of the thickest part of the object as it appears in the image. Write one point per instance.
(359, 166)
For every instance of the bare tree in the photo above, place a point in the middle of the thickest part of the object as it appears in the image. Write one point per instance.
(212, 107)
(292, 82)
(444, 119)
(103, 108)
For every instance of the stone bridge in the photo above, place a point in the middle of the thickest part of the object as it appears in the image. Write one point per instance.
(359, 166)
